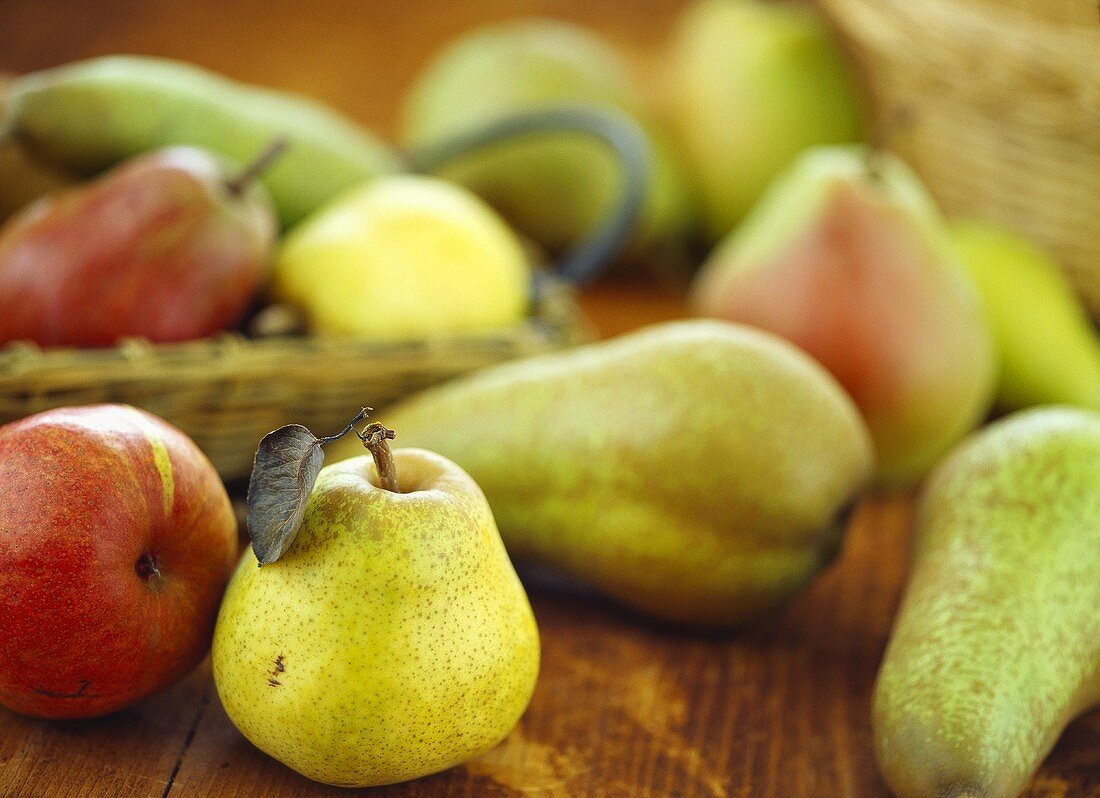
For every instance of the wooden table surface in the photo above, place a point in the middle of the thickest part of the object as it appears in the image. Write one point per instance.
(623, 707)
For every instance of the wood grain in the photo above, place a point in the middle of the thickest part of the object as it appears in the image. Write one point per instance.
(623, 709)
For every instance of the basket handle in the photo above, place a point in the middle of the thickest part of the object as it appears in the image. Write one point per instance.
(622, 136)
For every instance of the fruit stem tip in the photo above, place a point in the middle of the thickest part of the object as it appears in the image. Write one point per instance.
(374, 437)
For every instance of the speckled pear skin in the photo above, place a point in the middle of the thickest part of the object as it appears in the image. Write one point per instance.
(391, 641)
(997, 644)
(696, 471)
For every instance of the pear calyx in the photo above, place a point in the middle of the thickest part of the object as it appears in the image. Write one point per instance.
(374, 437)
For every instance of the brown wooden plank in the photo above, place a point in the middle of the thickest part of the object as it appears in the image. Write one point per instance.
(131, 753)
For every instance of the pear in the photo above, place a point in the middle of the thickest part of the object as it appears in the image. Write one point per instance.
(997, 643)
(847, 257)
(697, 471)
(89, 115)
(1049, 350)
(555, 188)
(750, 85)
(404, 257)
(391, 640)
(170, 245)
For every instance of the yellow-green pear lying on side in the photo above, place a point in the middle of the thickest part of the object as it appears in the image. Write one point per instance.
(89, 115)
(997, 644)
(751, 85)
(404, 257)
(697, 471)
(391, 640)
(1049, 349)
(555, 188)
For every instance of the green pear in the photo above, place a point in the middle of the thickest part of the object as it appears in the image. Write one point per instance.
(997, 643)
(391, 640)
(751, 85)
(1049, 350)
(847, 257)
(697, 471)
(404, 257)
(555, 188)
(89, 115)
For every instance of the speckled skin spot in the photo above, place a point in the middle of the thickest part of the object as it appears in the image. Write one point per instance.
(694, 470)
(405, 640)
(997, 644)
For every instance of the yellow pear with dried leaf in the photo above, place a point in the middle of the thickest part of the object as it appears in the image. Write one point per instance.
(391, 639)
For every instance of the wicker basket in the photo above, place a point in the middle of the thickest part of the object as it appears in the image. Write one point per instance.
(996, 103)
(227, 392)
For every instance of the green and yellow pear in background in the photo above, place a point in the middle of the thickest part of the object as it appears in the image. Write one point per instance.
(555, 188)
(404, 257)
(89, 115)
(1049, 349)
(697, 471)
(997, 644)
(847, 257)
(392, 639)
(750, 85)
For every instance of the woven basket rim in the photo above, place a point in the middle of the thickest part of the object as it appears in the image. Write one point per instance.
(552, 311)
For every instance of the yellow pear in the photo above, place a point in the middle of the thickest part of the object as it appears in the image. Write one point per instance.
(404, 257)
(391, 640)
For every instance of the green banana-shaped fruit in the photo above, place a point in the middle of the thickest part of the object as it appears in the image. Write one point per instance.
(91, 114)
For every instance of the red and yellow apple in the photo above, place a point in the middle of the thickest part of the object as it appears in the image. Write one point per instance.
(117, 539)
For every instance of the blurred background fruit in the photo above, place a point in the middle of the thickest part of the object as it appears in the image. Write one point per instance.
(750, 85)
(168, 246)
(553, 188)
(404, 257)
(1049, 351)
(91, 114)
(847, 257)
(990, 101)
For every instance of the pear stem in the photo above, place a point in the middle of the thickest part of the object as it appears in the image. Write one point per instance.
(247, 177)
(374, 437)
(363, 413)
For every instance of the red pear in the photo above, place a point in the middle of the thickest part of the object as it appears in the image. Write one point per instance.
(846, 257)
(167, 246)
